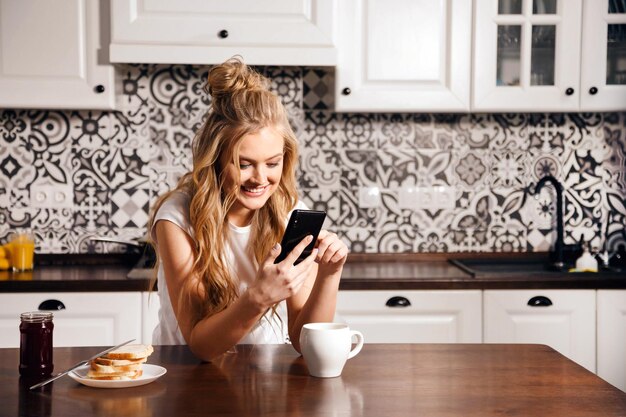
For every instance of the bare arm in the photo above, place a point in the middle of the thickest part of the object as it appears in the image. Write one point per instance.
(214, 335)
(317, 299)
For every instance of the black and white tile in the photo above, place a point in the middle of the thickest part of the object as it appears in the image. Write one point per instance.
(117, 163)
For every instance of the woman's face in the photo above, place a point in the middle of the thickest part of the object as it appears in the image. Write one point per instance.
(258, 174)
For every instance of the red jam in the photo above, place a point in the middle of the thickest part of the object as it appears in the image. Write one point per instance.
(36, 344)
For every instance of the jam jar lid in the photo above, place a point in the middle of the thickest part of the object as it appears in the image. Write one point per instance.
(36, 316)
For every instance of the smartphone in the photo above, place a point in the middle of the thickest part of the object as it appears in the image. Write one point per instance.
(301, 224)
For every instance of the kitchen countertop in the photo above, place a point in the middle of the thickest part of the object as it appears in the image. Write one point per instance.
(363, 272)
(382, 380)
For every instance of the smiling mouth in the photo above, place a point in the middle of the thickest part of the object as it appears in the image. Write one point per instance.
(254, 190)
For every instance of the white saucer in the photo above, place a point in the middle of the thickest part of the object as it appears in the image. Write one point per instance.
(150, 373)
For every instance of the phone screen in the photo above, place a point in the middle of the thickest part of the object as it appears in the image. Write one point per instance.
(301, 224)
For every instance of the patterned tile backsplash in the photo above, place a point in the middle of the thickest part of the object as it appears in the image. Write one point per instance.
(389, 182)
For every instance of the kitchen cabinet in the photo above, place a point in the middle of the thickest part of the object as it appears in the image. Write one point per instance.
(150, 305)
(603, 65)
(88, 319)
(403, 55)
(612, 337)
(562, 319)
(549, 55)
(414, 316)
(276, 32)
(52, 55)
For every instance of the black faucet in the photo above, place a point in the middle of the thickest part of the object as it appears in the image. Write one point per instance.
(558, 245)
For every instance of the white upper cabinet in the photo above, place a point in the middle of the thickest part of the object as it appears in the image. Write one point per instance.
(403, 55)
(50, 55)
(271, 32)
(603, 77)
(529, 55)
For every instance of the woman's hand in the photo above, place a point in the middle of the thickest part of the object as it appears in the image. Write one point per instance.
(277, 282)
(332, 252)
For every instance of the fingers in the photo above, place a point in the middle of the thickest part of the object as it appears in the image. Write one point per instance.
(297, 251)
(331, 248)
(274, 252)
(293, 277)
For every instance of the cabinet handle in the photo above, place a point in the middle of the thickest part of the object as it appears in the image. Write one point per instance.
(99, 89)
(540, 301)
(593, 90)
(51, 305)
(398, 301)
(569, 91)
(223, 34)
(346, 91)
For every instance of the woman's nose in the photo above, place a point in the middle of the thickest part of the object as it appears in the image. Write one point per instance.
(259, 175)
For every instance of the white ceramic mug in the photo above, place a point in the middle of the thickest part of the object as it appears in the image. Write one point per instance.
(327, 346)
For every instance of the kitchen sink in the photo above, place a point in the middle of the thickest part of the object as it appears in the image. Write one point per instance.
(505, 266)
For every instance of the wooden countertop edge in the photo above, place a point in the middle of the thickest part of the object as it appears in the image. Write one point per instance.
(439, 256)
(462, 281)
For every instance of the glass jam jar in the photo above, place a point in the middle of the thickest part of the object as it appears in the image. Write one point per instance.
(36, 344)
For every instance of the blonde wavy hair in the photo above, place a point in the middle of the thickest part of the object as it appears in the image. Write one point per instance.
(242, 103)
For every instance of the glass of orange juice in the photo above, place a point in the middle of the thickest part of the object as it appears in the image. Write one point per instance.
(22, 248)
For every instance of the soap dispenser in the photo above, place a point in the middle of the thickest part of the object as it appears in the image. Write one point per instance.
(586, 262)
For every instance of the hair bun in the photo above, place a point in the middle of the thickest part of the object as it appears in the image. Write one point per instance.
(227, 80)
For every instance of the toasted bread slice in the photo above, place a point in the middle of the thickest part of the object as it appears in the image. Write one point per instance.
(130, 352)
(108, 369)
(119, 362)
(125, 376)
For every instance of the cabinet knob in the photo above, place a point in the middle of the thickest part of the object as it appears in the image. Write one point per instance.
(398, 301)
(223, 34)
(346, 91)
(593, 90)
(51, 305)
(99, 89)
(540, 301)
(569, 91)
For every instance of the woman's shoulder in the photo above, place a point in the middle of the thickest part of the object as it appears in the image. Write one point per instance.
(176, 202)
(175, 208)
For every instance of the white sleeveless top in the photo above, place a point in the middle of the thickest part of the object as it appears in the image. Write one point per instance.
(269, 329)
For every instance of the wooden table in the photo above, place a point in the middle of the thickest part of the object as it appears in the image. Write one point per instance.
(383, 380)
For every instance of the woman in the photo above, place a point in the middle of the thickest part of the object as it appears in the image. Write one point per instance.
(216, 232)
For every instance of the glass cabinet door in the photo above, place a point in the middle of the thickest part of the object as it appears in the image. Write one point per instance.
(542, 43)
(616, 54)
(526, 55)
(603, 79)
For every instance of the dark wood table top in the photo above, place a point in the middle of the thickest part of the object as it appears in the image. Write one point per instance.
(382, 380)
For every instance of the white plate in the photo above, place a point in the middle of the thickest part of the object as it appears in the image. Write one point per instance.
(150, 373)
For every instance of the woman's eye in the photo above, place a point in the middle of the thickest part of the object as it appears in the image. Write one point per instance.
(273, 164)
(244, 166)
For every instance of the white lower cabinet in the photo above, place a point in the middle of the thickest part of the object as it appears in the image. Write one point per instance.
(88, 319)
(562, 319)
(612, 337)
(413, 316)
(150, 305)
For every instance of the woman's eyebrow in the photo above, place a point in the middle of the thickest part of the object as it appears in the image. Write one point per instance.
(245, 158)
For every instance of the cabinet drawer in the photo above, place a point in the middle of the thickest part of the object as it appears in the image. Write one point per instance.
(88, 319)
(413, 316)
